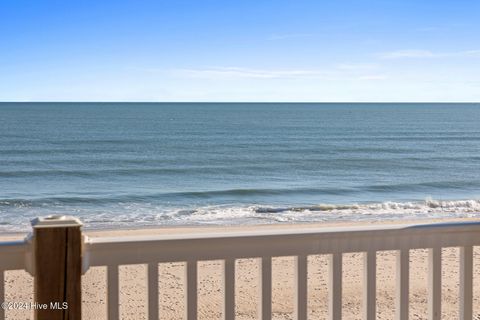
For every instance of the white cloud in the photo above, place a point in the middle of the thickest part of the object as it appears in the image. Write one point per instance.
(471, 53)
(289, 36)
(357, 66)
(422, 54)
(407, 54)
(373, 77)
(344, 72)
(236, 72)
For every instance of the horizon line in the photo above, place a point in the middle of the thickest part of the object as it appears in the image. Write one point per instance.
(265, 102)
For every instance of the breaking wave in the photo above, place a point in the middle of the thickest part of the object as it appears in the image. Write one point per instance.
(143, 214)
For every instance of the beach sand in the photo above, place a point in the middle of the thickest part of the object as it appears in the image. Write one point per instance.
(133, 284)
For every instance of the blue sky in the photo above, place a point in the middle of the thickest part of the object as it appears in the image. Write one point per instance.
(245, 50)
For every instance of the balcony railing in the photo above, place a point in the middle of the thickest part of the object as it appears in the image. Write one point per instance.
(113, 252)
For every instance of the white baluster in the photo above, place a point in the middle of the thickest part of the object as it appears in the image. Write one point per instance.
(369, 285)
(266, 288)
(301, 294)
(113, 300)
(403, 284)
(335, 287)
(191, 296)
(466, 282)
(229, 289)
(435, 283)
(153, 291)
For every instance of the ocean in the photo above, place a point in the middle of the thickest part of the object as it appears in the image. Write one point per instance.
(124, 165)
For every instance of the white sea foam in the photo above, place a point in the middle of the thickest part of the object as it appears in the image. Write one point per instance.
(329, 212)
(126, 215)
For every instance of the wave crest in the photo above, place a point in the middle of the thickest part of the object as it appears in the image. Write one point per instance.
(15, 214)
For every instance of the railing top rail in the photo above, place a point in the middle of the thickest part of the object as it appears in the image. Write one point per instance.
(277, 242)
(16, 246)
(13, 243)
(300, 231)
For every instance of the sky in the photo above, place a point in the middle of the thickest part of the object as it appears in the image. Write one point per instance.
(312, 51)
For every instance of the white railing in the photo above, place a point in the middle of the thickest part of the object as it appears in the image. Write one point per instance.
(266, 244)
(229, 246)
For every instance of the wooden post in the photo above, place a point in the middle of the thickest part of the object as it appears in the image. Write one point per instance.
(57, 244)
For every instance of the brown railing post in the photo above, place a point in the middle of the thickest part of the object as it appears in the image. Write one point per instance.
(57, 243)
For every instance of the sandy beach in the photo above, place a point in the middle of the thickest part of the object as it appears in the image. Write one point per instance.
(133, 284)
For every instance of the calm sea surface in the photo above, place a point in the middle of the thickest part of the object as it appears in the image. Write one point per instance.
(135, 164)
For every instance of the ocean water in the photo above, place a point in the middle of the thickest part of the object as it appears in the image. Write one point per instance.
(118, 165)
